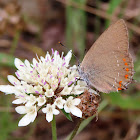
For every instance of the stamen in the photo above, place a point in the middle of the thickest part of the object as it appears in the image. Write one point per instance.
(70, 83)
(54, 86)
(40, 95)
(15, 83)
(37, 92)
(59, 80)
(21, 95)
(63, 64)
(45, 83)
(17, 74)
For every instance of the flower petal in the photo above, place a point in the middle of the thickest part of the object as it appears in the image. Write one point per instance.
(7, 89)
(49, 117)
(35, 63)
(24, 121)
(67, 90)
(48, 57)
(41, 100)
(55, 112)
(13, 80)
(27, 63)
(44, 110)
(67, 110)
(68, 57)
(19, 64)
(28, 118)
(60, 106)
(59, 102)
(21, 109)
(17, 101)
(76, 112)
(77, 101)
(33, 116)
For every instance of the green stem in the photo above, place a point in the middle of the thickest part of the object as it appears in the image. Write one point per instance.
(75, 129)
(53, 123)
(15, 42)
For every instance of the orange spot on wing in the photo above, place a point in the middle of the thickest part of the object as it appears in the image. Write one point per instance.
(127, 69)
(126, 76)
(119, 88)
(124, 59)
(126, 64)
(120, 83)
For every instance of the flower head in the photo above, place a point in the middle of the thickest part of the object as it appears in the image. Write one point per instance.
(48, 83)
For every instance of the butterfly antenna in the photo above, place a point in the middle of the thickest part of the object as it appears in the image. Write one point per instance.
(72, 53)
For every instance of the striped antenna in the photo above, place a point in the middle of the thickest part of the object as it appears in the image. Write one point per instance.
(72, 53)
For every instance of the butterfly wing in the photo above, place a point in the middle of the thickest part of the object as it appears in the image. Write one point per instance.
(108, 64)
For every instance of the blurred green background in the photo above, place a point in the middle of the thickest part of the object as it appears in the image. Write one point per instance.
(34, 27)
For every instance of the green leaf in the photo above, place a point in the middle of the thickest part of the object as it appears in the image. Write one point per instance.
(138, 137)
(6, 60)
(67, 115)
(76, 26)
(124, 101)
(7, 122)
(137, 68)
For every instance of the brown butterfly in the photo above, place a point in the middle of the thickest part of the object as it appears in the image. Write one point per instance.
(108, 65)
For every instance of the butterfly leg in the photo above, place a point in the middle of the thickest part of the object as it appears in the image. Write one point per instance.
(76, 79)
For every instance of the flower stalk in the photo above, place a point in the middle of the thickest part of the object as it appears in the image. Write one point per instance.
(53, 124)
(76, 129)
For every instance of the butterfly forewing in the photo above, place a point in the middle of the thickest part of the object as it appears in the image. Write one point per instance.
(108, 63)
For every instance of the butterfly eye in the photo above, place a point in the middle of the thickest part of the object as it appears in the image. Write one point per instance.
(78, 63)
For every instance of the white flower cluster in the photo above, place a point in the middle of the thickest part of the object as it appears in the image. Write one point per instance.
(48, 84)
